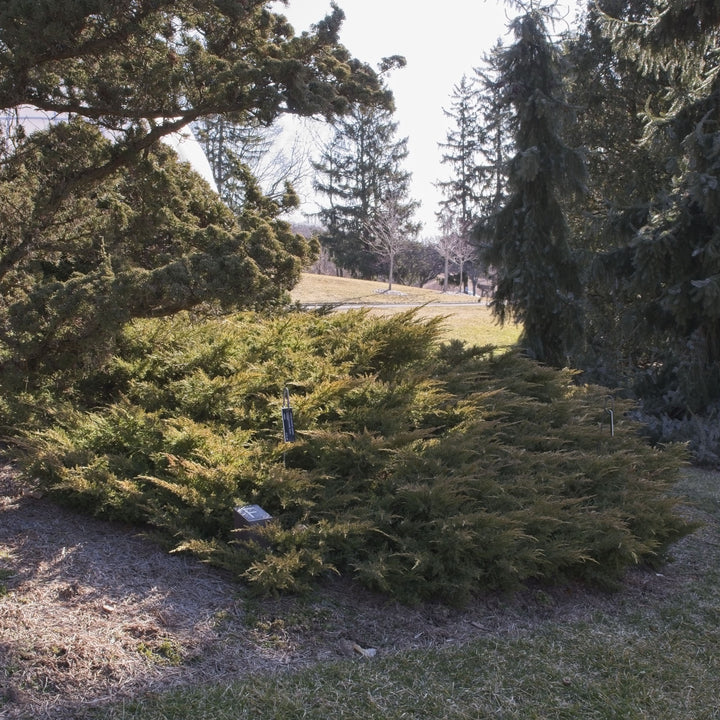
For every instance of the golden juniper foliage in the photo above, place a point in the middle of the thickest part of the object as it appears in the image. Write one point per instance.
(424, 471)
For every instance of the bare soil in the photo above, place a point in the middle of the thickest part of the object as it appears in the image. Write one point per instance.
(93, 612)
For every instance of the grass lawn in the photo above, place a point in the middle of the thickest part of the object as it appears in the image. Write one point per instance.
(467, 318)
(316, 289)
(650, 650)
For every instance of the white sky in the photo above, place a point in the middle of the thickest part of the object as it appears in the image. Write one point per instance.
(441, 42)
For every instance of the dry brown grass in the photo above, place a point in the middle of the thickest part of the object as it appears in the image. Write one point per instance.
(93, 612)
(471, 323)
(318, 289)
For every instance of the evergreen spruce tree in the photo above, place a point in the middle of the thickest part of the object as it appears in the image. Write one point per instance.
(361, 177)
(460, 153)
(537, 281)
(675, 255)
(626, 177)
(459, 206)
(494, 152)
(496, 146)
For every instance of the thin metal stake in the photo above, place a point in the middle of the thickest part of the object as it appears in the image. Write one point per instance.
(611, 411)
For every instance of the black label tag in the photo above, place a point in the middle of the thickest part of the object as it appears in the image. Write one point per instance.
(288, 425)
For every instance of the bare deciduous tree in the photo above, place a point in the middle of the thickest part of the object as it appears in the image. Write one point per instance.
(278, 156)
(455, 247)
(386, 236)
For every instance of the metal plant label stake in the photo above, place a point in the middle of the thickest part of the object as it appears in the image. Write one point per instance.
(287, 418)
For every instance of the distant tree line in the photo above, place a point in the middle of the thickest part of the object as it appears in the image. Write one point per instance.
(367, 214)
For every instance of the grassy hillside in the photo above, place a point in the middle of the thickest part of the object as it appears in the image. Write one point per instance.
(467, 318)
(332, 289)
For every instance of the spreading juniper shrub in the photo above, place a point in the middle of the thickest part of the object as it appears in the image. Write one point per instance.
(419, 469)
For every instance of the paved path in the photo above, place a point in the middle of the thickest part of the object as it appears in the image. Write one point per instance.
(431, 303)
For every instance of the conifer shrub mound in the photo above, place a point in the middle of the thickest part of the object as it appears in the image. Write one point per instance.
(425, 471)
